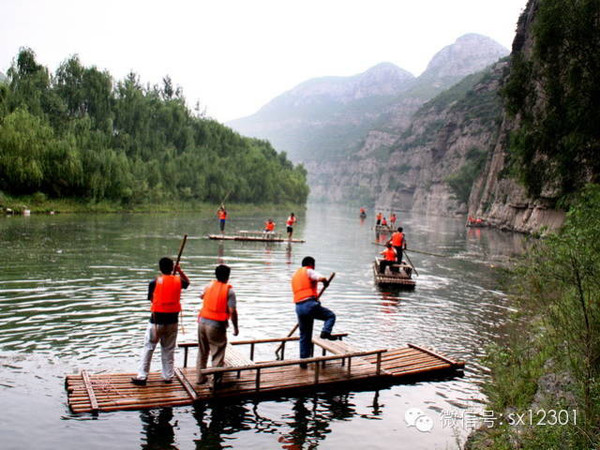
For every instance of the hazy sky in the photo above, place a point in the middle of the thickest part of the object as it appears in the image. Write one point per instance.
(233, 56)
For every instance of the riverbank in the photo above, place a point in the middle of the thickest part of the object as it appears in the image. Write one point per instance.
(40, 204)
(544, 389)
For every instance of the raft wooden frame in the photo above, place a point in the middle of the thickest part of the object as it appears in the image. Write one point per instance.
(392, 280)
(344, 365)
(254, 236)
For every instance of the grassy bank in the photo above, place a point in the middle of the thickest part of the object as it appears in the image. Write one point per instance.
(40, 204)
(544, 390)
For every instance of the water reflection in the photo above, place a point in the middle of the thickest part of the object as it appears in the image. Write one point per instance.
(74, 288)
(158, 430)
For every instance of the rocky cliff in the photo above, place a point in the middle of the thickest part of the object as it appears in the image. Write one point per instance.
(430, 165)
(496, 196)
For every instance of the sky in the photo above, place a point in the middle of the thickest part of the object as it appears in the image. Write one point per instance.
(234, 56)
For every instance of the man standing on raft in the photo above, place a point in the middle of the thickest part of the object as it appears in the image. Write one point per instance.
(308, 308)
(218, 308)
(165, 294)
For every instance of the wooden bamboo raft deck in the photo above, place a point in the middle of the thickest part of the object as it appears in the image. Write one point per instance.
(392, 280)
(339, 364)
(258, 237)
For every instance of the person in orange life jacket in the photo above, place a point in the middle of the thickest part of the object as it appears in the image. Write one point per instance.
(269, 226)
(383, 222)
(165, 293)
(398, 240)
(378, 217)
(222, 215)
(393, 220)
(218, 308)
(389, 258)
(308, 308)
(290, 225)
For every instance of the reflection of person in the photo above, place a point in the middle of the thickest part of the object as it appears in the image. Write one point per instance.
(158, 428)
(389, 258)
(222, 214)
(218, 308)
(398, 240)
(165, 293)
(290, 225)
(308, 308)
(269, 226)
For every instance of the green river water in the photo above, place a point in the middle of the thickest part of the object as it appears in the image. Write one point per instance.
(73, 296)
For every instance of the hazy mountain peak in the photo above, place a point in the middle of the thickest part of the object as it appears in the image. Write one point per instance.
(381, 80)
(468, 54)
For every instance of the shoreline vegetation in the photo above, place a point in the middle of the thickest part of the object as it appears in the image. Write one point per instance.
(78, 134)
(544, 388)
(39, 204)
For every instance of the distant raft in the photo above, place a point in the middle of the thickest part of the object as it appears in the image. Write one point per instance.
(383, 229)
(254, 236)
(395, 276)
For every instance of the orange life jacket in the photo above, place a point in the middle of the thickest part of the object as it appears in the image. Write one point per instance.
(291, 221)
(215, 302)
(389, 254)
(302, 286)
(393, 218)
(167, 294)
(384, 222)
(222, 215)
(269, 226)
(398, 239)
(379, 216)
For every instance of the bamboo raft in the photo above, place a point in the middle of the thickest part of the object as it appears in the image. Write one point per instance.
(339, 364)
(383, 229)
(400, 279)
(254, 236)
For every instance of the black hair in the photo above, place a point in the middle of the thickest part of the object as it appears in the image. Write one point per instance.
(308, 261)
(400, 229)
(166, 265)
(222, 273)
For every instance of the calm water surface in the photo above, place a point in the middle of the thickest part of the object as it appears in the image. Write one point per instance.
(73, 296)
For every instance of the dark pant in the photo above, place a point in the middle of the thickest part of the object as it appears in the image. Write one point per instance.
(222, 224)
(383, 264)
(307, 311)
(398, 254)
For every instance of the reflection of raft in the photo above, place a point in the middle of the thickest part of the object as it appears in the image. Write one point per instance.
(340, 364)
(254, 236)
(399, 275)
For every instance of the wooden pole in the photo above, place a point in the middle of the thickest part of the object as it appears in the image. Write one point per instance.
(181, 247)
(293, 330)
(410, 262)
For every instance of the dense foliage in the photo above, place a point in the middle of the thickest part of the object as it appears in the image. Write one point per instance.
(553, 358)
(554, 90)
(76, 133)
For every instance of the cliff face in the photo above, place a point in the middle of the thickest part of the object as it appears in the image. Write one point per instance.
(429, 166)
(495, 196)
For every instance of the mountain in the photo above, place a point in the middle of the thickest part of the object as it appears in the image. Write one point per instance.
(430, 166)
(328, 118)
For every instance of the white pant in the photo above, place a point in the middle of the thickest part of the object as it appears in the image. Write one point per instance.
(168, 340)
